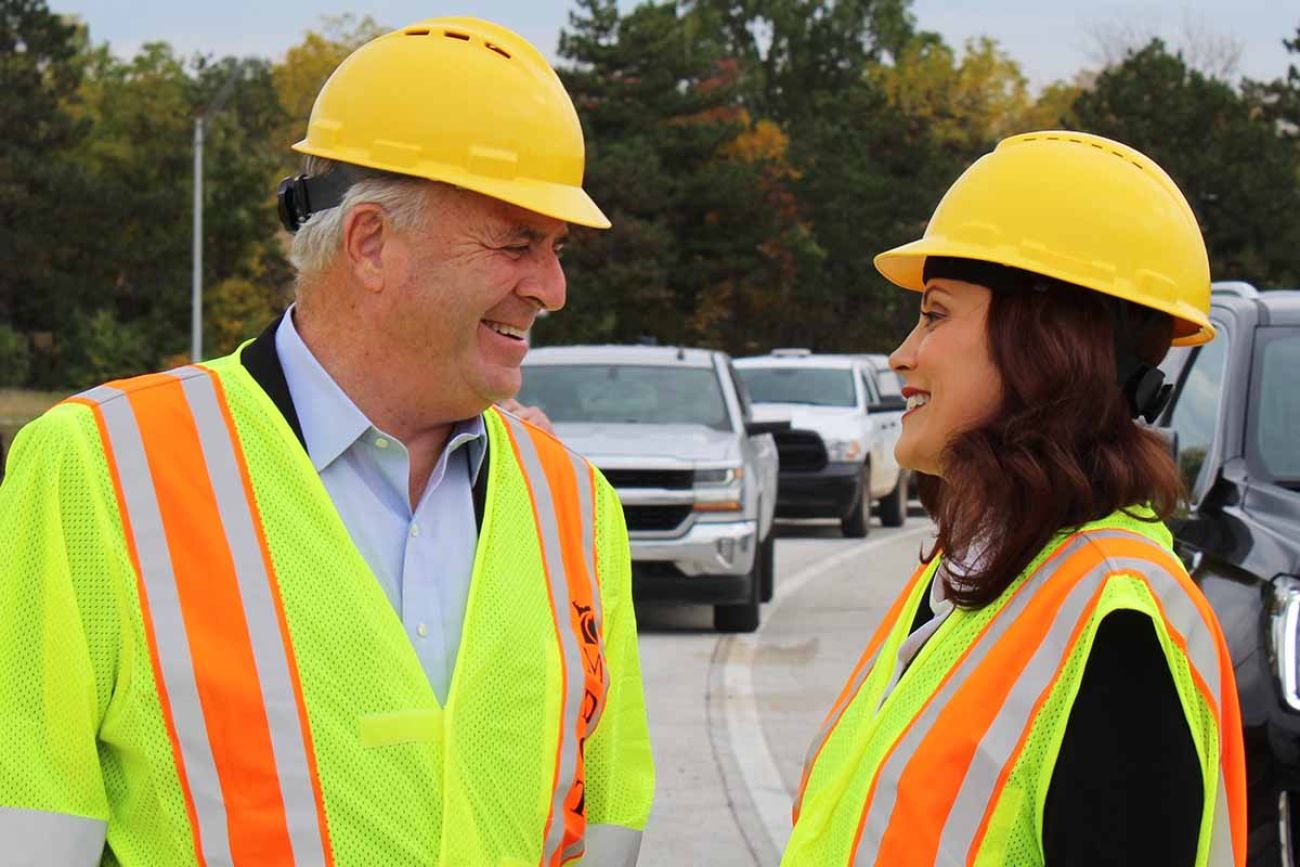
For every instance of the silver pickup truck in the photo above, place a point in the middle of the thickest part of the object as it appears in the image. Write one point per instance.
(671, 429)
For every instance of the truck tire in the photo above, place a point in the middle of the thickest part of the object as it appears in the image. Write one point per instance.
(893, 508)
(767, 566)
(744, 616)
(857, 523)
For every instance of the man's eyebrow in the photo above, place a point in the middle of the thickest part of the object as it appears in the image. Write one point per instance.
(524, 232)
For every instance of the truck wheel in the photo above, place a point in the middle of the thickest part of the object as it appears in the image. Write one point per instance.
(744, 616)
(893, 508)
(857, 523)
(767, 565)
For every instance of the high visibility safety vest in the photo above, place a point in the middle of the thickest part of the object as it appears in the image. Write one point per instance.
(197, 666)
(952, 766)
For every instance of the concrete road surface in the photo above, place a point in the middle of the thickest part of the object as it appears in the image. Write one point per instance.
(731, 716)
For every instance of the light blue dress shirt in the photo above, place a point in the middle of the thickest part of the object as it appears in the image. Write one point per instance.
(423, 558)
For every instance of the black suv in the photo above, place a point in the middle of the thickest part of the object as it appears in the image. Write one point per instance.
(1236, 424)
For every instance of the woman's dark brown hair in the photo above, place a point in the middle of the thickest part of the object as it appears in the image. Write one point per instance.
(1061, 450)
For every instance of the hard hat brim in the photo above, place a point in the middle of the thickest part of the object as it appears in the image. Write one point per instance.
(904, 265)
(559, 201)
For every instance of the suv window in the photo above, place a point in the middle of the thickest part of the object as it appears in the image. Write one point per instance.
(819, 386)
(1197, 410)
(869, 387)
(1276, 405)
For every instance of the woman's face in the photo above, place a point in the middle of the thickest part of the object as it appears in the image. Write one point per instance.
(950, 380)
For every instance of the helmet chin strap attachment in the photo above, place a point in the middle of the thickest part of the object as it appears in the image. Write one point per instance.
(300, 197)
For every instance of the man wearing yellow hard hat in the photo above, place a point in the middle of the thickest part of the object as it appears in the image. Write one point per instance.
(319, 601)
(1050, 687)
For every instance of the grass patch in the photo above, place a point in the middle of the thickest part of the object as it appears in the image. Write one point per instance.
(19, 406)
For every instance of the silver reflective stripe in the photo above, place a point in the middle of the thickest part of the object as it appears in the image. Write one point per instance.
(612, 846)
(887, 777)
(587, 510)
(269, 646)
(1221, 854)
(174, 659)
(575, 689)
(34, 837)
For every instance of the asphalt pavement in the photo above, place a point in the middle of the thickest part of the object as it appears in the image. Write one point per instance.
(732, 716)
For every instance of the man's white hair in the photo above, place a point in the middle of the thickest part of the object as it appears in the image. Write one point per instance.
(405, 200)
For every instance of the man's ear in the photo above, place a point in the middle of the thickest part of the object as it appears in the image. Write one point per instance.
(366, 230)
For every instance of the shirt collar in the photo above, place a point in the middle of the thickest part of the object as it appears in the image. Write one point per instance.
(331, 422)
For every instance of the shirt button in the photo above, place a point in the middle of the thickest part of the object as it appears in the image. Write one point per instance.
(415, 530)
(381, 443)
(422, 630)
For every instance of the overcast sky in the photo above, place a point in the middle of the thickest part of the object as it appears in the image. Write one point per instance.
(1050, 38)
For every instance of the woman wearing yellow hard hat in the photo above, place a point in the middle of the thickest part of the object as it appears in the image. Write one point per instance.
(1050, 687)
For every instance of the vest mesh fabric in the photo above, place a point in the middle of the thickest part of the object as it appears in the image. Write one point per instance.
(618, 799)
(838, 785)
(71, 629)
(395, 768)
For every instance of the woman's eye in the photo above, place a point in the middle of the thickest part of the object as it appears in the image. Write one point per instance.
(931, 316)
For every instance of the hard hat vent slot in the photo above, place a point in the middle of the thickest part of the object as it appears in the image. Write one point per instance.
(463, 37)
(498, 49)
(416, 31)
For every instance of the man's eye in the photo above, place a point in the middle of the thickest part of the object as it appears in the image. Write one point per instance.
(517, 249)
(560, 248)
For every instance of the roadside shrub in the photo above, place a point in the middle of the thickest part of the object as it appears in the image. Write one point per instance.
(15, 358)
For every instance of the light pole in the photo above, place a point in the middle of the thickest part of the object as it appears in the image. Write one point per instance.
(196, 277)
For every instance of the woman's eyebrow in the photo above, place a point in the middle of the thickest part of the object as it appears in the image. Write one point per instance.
(930, 290)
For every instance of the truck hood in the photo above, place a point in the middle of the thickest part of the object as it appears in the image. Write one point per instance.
(664, 444)
(840, 422)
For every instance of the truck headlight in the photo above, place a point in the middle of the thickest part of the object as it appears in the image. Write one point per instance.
(718, 475)
(843, 450)
(719, 489)
(1285, 617)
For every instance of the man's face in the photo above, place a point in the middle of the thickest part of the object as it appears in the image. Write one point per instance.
(467, 289)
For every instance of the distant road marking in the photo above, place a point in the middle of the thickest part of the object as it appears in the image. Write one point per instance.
(758, 769)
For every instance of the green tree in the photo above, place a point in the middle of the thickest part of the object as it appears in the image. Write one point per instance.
(1237, 169)
(137, 243)
(43, 192)
(693, 184)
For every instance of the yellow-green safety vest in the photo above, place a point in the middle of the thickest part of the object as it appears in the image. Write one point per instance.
(197, 666)
(953, 765)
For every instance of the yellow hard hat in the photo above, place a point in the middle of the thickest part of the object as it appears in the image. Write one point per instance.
(1080, 208)
(462, 101)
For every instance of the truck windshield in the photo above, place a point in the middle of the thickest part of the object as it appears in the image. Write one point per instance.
(625, 393)
(1275, 417)
(820, 386)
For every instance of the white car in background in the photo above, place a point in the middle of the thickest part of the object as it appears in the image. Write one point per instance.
(838, 456)
(671, 429)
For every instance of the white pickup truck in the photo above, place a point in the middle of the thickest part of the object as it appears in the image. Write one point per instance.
(671, 430)
(838, 456)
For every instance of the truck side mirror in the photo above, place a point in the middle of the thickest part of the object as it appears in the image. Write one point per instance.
(754, 428)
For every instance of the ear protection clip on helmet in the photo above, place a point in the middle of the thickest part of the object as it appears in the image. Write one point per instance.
(1143, 384)
(300, 197)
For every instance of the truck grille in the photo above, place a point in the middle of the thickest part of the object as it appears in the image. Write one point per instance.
(800, 451)
(671, 479)
(655, 518)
